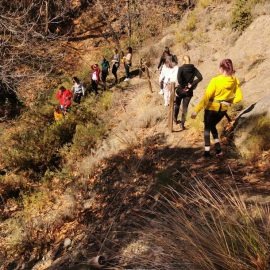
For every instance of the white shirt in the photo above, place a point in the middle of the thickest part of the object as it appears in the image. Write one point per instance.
(168, 75)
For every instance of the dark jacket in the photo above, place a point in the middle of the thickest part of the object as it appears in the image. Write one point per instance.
(187, 74)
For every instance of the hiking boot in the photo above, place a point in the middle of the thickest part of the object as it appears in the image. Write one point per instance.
(207, 154)
(219, 153)
(175, 120)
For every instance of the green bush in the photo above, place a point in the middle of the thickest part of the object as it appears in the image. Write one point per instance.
(241, 15)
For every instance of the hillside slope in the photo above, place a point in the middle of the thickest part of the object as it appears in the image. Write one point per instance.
(95, 200)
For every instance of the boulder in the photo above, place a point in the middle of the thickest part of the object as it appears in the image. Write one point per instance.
(252, 128)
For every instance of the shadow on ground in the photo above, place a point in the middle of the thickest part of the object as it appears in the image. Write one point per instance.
(127, 184)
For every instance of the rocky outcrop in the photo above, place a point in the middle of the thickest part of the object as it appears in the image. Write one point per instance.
(252, 128)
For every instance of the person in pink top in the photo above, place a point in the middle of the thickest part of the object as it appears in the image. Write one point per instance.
(64, 97)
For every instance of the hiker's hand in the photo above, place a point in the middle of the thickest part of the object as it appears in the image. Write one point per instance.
(189, 85)
(226, 103)
(194, 115)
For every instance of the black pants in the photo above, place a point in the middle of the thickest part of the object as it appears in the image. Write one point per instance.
(211, 119)
(104, 75)
(185, 102)
(127, 67)
(77, 97)
(95, 86)
(114, 71)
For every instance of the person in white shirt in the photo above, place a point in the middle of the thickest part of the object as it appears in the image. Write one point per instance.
(128, 63)
(78, 90)
(168, 75)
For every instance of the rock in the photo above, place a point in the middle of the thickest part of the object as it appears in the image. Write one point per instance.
(252, 128)
(67, 242)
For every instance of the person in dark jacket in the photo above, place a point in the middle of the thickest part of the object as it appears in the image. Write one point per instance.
(188, 78)
(163, 57)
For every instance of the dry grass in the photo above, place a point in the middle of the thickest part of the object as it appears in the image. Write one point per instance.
(210, 227)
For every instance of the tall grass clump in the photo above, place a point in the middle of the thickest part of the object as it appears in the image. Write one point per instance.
(208, 228)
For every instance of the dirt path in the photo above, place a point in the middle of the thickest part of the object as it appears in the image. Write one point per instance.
(141, 158)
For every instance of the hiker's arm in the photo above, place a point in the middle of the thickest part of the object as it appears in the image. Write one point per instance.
(209, 94)
(160, 62)
(199, 77)
(238, 94)
(179, 77)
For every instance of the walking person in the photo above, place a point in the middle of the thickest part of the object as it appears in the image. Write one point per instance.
(162, 60)
(188, 78)
(128, 63)
(64, 96)
(58, 114)
(221, 92)
(95, 78)
(78, 90)
(115, 64)
(105, 67)
(168, 75)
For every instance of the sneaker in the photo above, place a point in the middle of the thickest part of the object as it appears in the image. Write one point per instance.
(207, 154)
(219, 153)
(161, 92)
(126, 79)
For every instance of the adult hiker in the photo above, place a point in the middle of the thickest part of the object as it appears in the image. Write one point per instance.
(95, 77)
(168, 75)
(188, 78)
(116, 64)
(78, 90)
(162, 60)
(58, 114)
(128, 63)
(222, 91)
(64, 96)
(105, 67)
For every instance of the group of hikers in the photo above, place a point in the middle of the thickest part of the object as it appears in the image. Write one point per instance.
(222, 91)
(65, 96)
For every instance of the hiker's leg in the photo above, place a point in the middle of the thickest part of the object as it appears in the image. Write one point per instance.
(94, 86)
(166, 95)
(127, 71)
(177, 104)
(207, 129)
(186, 101)
(216, 119)
(79, 96)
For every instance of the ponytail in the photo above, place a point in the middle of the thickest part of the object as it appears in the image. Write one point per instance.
(227, 66)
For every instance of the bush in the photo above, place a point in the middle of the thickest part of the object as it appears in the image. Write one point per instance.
(191, 22)
(241, 15)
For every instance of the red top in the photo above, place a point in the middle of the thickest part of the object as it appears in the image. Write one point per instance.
(96, 73)
(64, 97)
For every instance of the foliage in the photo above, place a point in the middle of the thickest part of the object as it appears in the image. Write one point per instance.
(241, 15)
(191, 21)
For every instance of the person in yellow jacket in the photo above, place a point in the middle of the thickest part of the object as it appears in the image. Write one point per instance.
(222, 91)
(58, 114)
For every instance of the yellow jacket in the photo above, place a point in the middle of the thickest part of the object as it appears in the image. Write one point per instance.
(58, 116)
(221, 88)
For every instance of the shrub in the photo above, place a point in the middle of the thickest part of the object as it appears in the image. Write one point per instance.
(241, 15)
(191, 22)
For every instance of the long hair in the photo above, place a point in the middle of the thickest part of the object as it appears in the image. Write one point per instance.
(76, 80)
(169, 61)
(227, 66)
